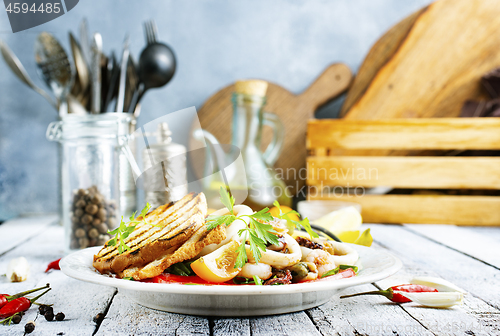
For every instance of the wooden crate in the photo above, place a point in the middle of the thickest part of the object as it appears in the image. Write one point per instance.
(338, 157)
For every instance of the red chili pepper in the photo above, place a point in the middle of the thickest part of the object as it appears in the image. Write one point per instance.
(5, 298)
(53, 265)
(397, 297)
(18, 305)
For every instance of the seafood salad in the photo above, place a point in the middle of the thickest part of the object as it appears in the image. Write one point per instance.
(180, 243)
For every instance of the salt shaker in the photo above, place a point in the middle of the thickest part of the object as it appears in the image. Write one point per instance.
(165, 174)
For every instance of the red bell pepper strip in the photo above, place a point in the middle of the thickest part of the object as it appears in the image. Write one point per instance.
(5, 298)
(53, 265)
(397, 297)
(18, 305)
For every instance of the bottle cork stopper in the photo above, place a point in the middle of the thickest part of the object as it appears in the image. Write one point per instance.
(252, 87)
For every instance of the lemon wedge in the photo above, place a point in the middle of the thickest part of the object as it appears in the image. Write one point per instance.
(356, 237)
(346, 219)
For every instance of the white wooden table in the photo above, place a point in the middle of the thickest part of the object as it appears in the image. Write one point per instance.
(466, 256)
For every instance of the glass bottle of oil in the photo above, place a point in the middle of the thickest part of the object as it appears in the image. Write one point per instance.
(242, 167)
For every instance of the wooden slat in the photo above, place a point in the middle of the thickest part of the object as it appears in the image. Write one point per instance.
(466, 240)
(405, 172)
(430, 209)
(16, 231)
(126, 317)
(364, 316)
(434, 133)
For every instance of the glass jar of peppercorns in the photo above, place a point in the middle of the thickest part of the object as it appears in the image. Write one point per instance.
(90, 175)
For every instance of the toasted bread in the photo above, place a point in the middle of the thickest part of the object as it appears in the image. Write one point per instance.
(173, 224)
(201, 238)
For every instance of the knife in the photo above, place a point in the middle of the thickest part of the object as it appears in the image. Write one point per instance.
(96, 73)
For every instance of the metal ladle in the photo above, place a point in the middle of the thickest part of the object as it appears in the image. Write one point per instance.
(156, 66)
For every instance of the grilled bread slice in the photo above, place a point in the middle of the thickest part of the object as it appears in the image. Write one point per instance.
(172, 225)
(190, 249)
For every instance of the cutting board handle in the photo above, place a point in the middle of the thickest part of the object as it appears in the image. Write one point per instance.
(332, 82)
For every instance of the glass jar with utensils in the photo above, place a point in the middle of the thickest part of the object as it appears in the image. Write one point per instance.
(91, 170)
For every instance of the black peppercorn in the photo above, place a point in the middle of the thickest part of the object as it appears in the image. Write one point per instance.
(49, 316)
(29, 327)
(60, 316)
(42, 309)
(98, 318)
(16, 319)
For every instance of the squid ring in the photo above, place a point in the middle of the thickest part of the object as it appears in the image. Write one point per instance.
(231, 230)
(278, 259)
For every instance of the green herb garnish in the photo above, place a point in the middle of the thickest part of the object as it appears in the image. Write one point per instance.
(258, 233)
(181, 268)
(257, 280)
(338, 268)
(125, 229)
(299, 225)
(128, 278)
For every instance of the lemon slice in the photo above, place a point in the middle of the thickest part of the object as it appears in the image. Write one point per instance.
(346, 219)
(218, 266)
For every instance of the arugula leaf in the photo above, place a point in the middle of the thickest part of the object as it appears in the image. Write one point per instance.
(257, 280)
(227, 200)
(338, 268)
(331, 272)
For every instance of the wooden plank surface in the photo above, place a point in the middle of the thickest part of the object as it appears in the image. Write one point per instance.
(417, 209)
(476, 277)
(80, 301)
(19, 230)
(423, 250)
(405, 172)
(435, 133)
(478, 245)
(459, 320)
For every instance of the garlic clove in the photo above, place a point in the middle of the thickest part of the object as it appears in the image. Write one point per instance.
(435, 299)
(18, 269)
(440, 284)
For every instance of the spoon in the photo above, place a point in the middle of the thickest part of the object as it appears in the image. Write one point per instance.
(18, 69)
(156, 65)
(54, 67)
(81, 67)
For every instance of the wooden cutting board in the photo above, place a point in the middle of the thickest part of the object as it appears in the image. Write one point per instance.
(215, 116)
(429, 63)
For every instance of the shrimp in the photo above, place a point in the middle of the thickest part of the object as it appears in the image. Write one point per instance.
(279, 259)
(263, 271)
(344, 255)
(231, 230)
(323, 260)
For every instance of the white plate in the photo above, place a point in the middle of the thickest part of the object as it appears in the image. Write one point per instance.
(233, 300)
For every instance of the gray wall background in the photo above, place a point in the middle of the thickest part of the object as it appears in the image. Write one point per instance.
(216, 42)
